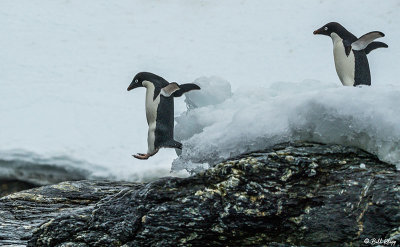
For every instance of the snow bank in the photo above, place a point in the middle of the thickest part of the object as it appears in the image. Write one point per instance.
(257, 117)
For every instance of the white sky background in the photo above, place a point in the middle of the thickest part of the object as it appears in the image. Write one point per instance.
(66, 64)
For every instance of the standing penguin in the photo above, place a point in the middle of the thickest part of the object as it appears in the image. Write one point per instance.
(349, 53)
(159, 110)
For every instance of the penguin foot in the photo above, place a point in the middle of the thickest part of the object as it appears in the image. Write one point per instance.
(145, 156)
(141, 156)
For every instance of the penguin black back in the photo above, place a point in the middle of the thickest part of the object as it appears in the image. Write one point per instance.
(362, 75)
(164, 132)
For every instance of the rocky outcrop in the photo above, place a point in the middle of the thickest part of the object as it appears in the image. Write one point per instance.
(22, 212)
(290, 195)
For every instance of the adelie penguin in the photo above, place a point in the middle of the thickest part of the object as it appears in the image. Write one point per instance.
(350, 53)
(159, 110)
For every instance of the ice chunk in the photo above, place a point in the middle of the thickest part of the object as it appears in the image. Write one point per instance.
(214, 90)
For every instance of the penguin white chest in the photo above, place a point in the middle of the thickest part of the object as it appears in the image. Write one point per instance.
(345, 65)
(151, 114)
(151, 105)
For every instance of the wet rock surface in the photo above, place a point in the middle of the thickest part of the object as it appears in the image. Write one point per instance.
(289, 195)
(22, 212)
(11, 186)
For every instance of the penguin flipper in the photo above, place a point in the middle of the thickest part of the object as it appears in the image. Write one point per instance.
(170, 89)
(175, 90)
(366, 39)
(184, 88)
(347, 47)
(157, 91)
(375, 45)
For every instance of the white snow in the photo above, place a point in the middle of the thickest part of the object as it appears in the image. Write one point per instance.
(66, 65)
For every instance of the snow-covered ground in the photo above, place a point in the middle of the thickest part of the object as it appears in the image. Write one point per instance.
(255, 118)
(66, 66)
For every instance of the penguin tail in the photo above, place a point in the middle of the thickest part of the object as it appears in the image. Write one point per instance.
(375, 45)
(184, 88)
(173, 144)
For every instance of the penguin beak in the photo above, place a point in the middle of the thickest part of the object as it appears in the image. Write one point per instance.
(320, 31)
(133, 86)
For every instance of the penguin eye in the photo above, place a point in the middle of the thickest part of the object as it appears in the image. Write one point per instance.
(136, 81)
(326, 28)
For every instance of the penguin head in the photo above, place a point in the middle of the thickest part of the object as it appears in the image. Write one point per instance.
(144, 79)
(331, 27)
(138, 80)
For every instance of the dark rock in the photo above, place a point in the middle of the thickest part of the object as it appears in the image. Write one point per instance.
(22, 212)
(289, 195)
(11, 186)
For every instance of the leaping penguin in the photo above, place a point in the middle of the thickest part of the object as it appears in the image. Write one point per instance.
(159, 110)
(349, 53)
